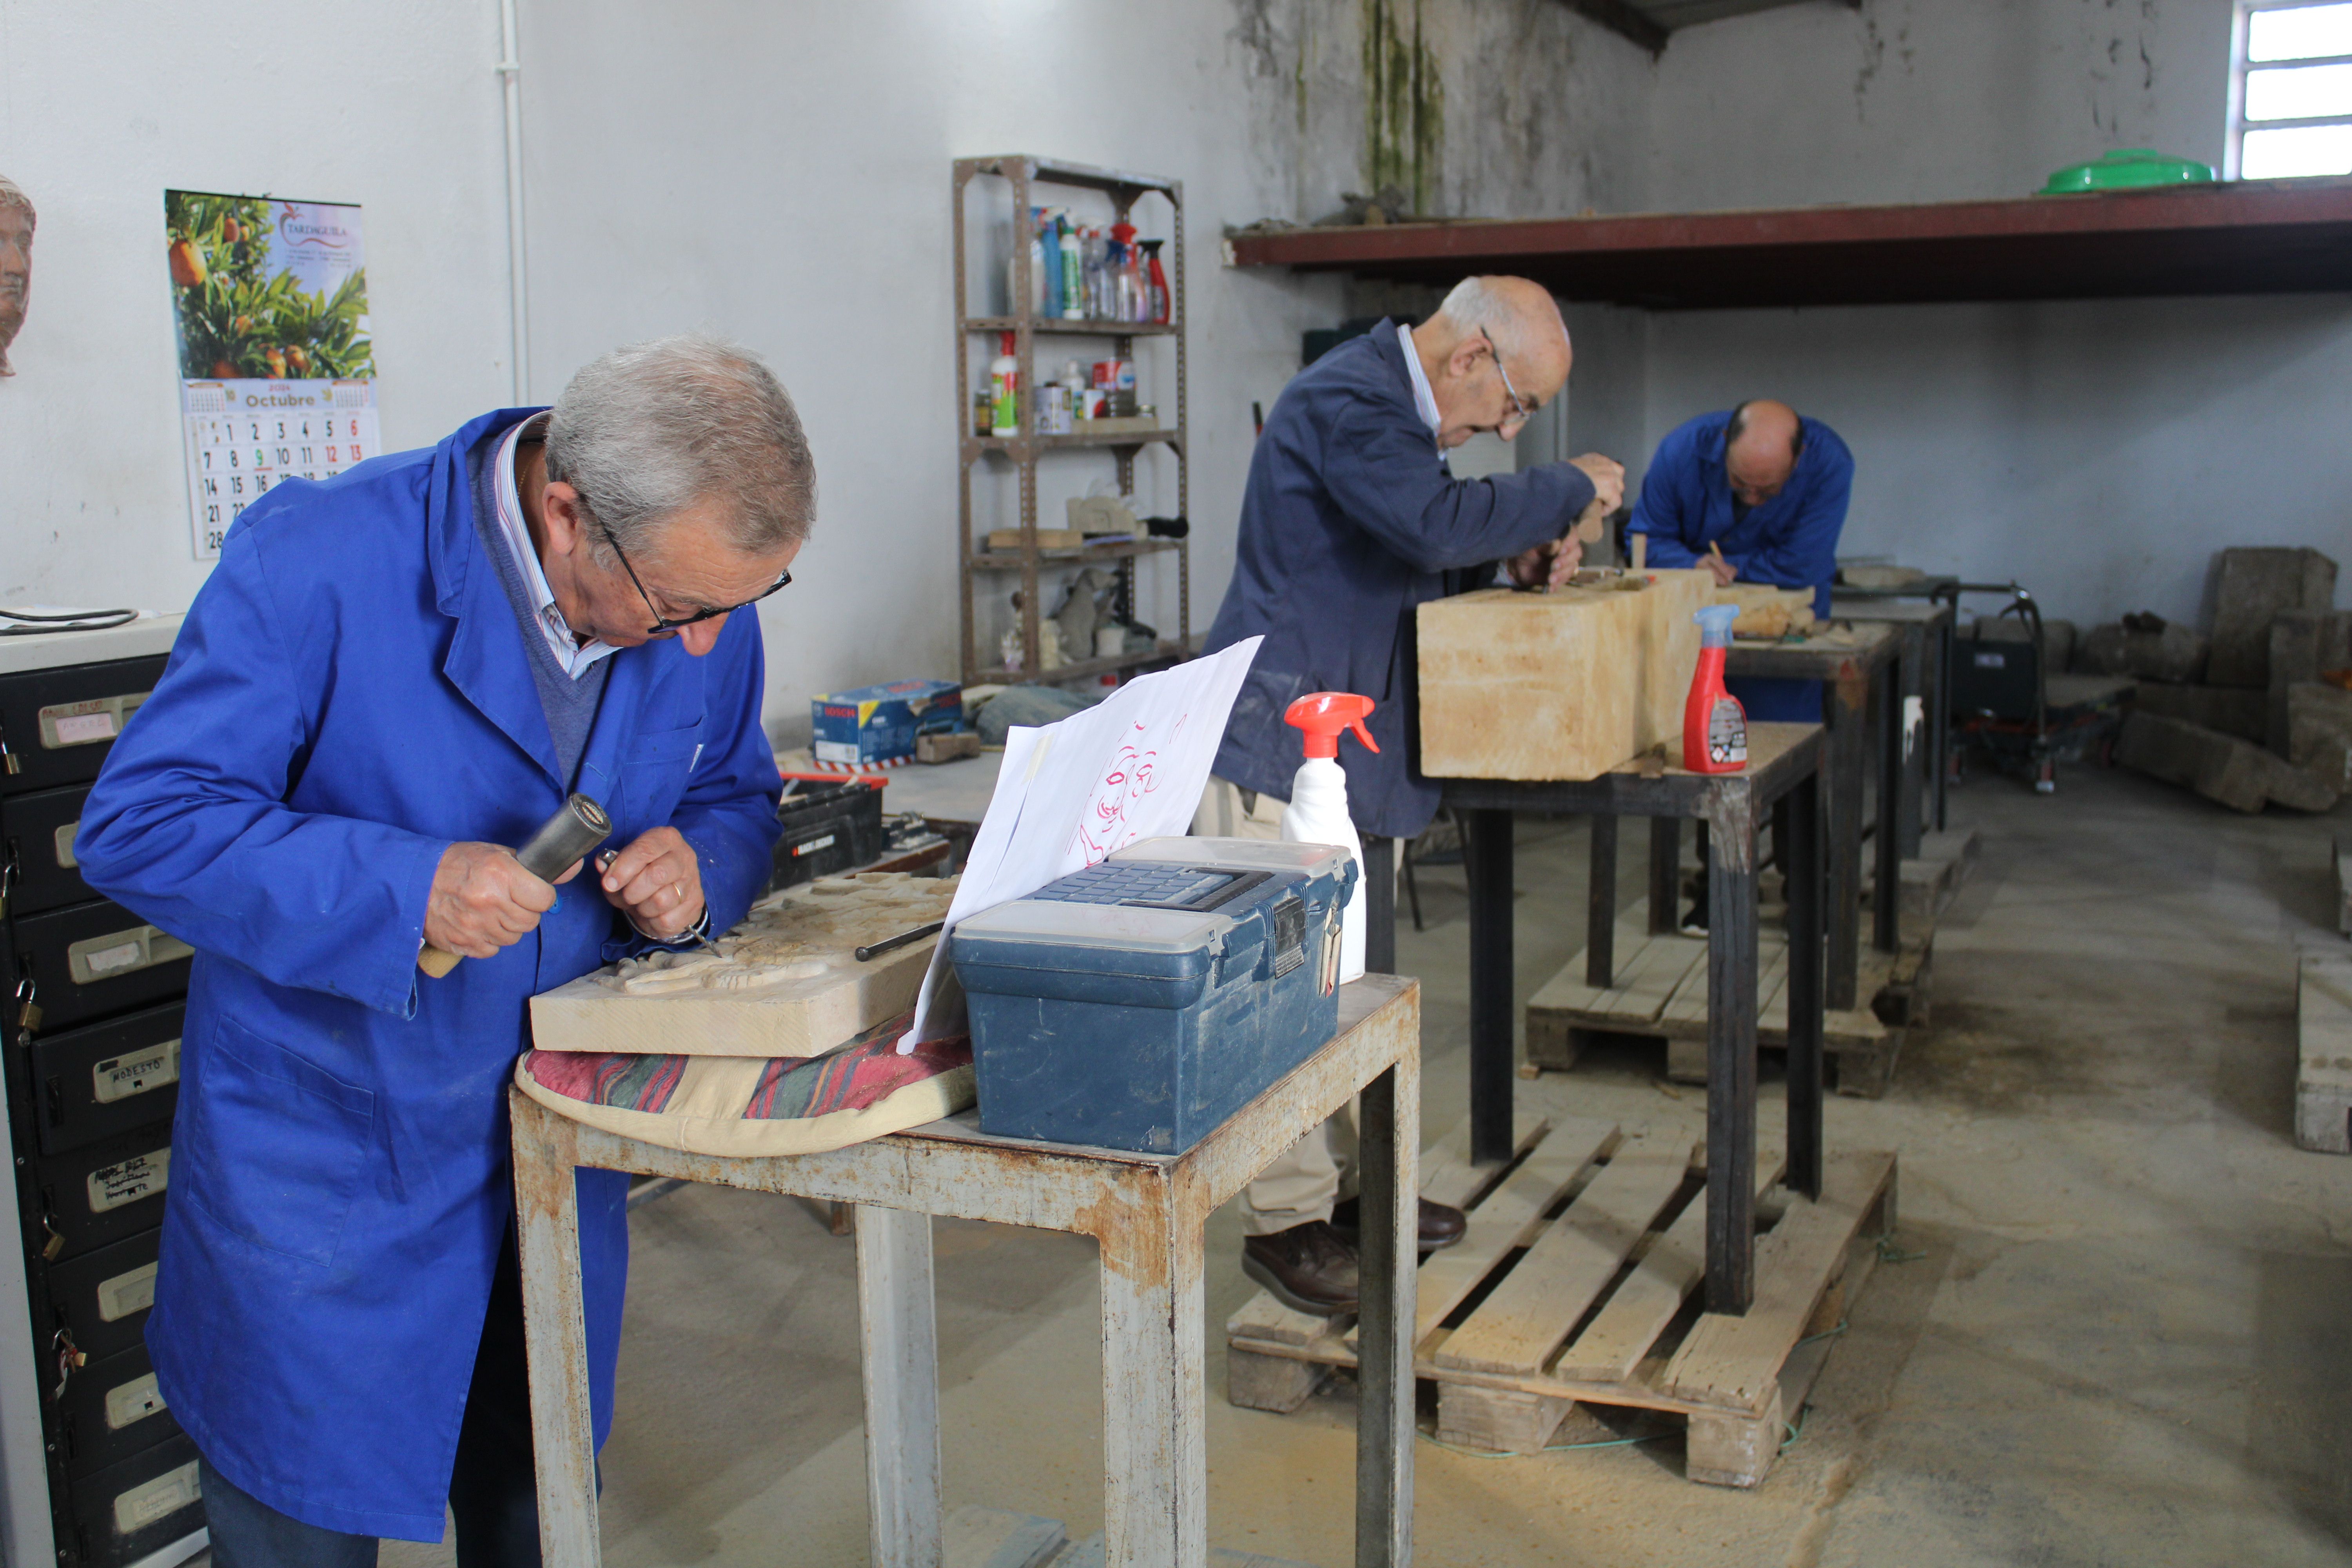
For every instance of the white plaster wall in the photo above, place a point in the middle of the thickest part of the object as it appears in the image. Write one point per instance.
(782, 175)
(2098, 452)
(106, 103)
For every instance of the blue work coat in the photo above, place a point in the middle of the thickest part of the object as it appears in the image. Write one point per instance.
(1789, 541)
(1351, 521)
(349, 697)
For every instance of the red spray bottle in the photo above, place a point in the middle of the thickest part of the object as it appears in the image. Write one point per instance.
(1715, 726)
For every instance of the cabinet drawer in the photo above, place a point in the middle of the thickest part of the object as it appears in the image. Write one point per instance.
(94, 959)
(104, 1191)
(59, 724)
(111, 1410)
(106, 1078)
(36, 835)
(142, 1504)
(102, 1299)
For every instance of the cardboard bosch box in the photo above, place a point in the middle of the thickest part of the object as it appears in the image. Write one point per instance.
(878, 723)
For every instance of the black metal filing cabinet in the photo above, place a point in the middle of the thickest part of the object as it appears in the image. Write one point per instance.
(93, 1000)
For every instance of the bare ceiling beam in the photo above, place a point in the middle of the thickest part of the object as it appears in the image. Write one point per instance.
(1622, 18)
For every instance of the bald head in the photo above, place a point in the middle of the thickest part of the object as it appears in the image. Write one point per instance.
(1760, 448)
(1495, 350)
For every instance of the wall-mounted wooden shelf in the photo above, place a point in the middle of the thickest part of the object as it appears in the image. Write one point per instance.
(2241, 237)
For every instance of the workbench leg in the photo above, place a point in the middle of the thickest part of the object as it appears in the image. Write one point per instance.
(899, 1342)
(1939, 710)
(1155, 1440)
(1801, 811)
(1731, 1049)
(1913, 752)
(1846, 707)
(1388, 1180)
(1886, 905)
(1600, 907)
(555, 1335)
(1665, 875)
(1379, 904)
(1486, 861)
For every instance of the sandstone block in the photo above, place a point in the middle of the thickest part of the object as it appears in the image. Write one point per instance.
(2254, 588)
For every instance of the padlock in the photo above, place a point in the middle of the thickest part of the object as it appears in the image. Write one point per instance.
(29, 1011)
(55, 1245)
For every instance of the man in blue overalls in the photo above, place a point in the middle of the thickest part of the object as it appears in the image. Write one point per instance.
(1754, 494)
(1351, 521)
(388, 679)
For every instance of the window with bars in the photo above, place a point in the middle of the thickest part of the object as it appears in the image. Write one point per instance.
(2291, 90)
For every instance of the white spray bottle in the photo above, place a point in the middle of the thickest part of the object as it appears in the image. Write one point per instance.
(1317, 813)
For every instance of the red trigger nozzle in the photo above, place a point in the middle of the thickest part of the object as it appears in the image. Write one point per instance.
(1321, 715)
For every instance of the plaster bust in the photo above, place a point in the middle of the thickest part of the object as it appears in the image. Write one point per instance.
(16, 220)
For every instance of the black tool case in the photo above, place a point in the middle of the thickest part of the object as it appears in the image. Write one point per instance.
(90, 1087)
(828, 829)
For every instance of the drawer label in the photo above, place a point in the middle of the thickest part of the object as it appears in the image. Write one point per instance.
(134, 1401)
(67, 724)
(120, 1077)
(128, 1181)
(126, 1293)
(64, 840)
(160, 1499)
(122, 953)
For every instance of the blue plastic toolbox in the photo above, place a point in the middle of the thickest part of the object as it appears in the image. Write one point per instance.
(1138, 1003)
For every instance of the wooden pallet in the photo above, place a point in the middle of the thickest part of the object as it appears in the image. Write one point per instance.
(1576, 1284)
(1662, 989)
(1933, 878)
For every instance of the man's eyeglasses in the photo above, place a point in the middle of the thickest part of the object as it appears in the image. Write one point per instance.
(1521, 411)
(663, 623)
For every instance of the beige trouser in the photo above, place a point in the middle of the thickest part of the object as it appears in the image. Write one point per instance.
(1304, 1181)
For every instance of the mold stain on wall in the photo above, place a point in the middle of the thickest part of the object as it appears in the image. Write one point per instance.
(1404, 103)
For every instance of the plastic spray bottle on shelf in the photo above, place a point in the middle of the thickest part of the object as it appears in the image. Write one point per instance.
(1073, 274)
(1126, 290)
(1714, 727)
(1004, 390)
(1317, 813)
(1158, 309)
(1049, 240)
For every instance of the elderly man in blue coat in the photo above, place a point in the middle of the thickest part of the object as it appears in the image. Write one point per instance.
(1351, 519)
(389, 679)
(1754, 494)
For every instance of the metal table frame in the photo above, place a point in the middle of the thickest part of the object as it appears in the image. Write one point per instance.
(1146, 1212)
(1782, 782)
(1927, 615)
(1856, 670)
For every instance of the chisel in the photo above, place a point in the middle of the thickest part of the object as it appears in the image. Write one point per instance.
(577, 827)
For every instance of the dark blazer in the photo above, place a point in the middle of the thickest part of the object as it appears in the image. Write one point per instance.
(1350, 521)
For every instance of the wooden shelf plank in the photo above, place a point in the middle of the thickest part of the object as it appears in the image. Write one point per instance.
(2236, 238)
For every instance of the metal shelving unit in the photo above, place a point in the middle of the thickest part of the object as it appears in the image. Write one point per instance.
(1022, 173)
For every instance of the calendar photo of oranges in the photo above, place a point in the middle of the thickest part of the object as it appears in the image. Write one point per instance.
(266, 289)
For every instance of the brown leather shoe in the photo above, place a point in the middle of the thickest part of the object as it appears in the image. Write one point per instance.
(1307, 1267)
(1441, 1225)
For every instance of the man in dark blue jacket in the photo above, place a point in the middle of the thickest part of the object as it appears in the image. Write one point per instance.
(1351, 521)
(1755, 494)
(388, 679)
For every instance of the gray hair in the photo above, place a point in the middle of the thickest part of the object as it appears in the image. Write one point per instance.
(13, 195)
(1475, 303)
(650, 429)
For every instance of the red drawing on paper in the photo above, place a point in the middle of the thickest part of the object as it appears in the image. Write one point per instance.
(1133, 774)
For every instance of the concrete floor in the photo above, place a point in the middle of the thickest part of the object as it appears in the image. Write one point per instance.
(2128, 1340)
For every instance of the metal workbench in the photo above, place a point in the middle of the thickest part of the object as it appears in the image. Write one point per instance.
(1148, 1213)
(1782, 782)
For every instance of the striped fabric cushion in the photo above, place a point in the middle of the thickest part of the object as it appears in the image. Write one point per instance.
(759, 1106)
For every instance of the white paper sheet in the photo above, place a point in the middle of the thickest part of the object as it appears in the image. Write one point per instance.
(1071, 793)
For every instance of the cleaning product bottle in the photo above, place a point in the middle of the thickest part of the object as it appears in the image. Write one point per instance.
(1126, 287)
(1004, 390)
(1049, 240)
(1317, 813)
(1714, 727)
(1158, 280)
(1073, 274)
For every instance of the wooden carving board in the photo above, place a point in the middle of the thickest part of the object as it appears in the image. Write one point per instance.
(1669, 651)
(1530, 686)
(784, 983)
